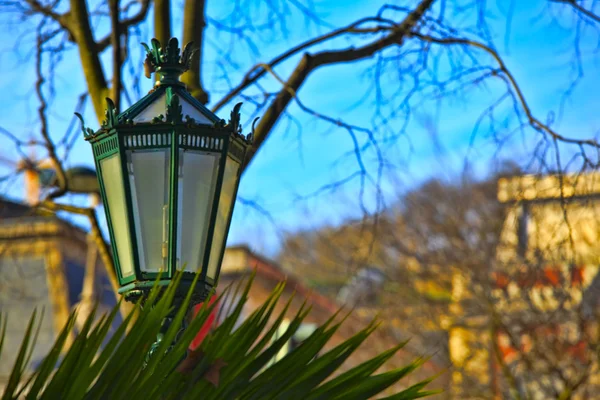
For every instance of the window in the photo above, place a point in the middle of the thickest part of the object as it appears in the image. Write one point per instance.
(522, 225)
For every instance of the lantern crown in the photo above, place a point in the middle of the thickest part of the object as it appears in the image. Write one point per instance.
(167, 61)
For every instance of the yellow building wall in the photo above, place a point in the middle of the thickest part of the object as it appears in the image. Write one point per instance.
(563, 231)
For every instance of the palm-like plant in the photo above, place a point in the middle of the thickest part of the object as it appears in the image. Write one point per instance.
(231, 363)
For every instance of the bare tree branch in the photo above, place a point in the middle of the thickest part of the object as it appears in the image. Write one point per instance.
(506, 75)
(162, 22)
(194, 24)
(309, 63)
(63, 184)
(101, 246)
(61, 19)
(117, 63)
(125, 24)
(259, 70)
(88, 53)
(579, 8)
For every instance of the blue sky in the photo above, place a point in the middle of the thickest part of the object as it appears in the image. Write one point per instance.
(294, 164)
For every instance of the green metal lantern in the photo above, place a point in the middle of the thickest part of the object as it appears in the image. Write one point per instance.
(169, 171)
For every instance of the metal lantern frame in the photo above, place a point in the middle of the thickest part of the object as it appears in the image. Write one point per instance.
(171, 133)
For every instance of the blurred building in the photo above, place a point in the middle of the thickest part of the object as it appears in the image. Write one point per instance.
(240, 261)
(533, 328)
(43, 261)
(363, 288)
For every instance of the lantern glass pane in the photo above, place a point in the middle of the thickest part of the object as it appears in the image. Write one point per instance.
(112, 178)
(226, 200)
(149, 181)
(196, 186)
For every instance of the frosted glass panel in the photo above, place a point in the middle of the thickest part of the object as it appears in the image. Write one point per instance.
(193, 112)
(197, 180)
(112, 176)
(230, 179)
(149, 180)
(159, 106)
(154, 109)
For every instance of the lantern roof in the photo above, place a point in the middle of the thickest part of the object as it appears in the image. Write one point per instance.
(154, 106)
(168, 62)
(169, 101)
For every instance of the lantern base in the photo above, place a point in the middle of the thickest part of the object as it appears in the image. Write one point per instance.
(139, 290)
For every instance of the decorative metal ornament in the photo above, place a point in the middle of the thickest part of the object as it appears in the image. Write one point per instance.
(234, 119)
(168, 60)
(111, 115)
(250, 136)
(87, 132)
(174, 109)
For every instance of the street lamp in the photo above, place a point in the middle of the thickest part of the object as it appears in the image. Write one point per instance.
(169, 171)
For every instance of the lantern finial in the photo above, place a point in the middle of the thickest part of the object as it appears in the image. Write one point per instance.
(168, 61)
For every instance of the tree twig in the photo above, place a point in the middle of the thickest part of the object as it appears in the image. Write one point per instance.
(117, 64)
(309, 63)
(63, 184)
(512, 82)
(194, 23)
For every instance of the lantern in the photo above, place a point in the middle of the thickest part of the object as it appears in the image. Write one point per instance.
(168, 170)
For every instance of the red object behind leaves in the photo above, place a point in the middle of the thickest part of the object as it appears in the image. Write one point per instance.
(207, 325)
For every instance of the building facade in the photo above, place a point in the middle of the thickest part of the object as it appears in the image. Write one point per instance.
(534, 332)
(43, 263)
(240, 262)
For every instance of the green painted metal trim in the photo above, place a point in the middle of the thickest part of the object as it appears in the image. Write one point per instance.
(199, 149)
(213, 215)
(244, 146)
(106, 155)
(173, 200)
(147, 140)
(211, 282)
(185, 284)
(100, 135)
(107, 145)
(240, 149)
(183, 129)
(188, 277)
(113, 244)
(202, 288)
(206, 130)
(222, 251)
(130, 217)
(145, 127)
(149, 276)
